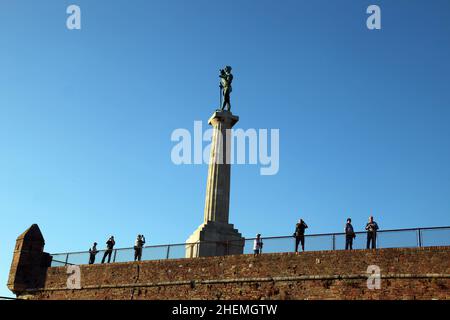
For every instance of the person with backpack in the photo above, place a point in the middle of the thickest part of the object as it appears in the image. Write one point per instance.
(299, 234)
(371, 228)
(109, 249)
(138, 245)
(257, 245)
(349, 235)
(92, 253)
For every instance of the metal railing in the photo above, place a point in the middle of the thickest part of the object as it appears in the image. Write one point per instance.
(399, 238)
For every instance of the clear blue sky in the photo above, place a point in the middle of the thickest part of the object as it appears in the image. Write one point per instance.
(86, 116)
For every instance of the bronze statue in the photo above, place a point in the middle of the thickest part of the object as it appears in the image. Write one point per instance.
(226, 78)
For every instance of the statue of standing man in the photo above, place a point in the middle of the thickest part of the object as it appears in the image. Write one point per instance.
(226, 78)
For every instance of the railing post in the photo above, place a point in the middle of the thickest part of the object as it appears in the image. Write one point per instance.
(168, 252)
(67, 260)
(334, 242)
(419, 237)
(115, 253)
(377, 239)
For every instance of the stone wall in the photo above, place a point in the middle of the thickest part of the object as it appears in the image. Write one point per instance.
(405, 274)
(30, 262)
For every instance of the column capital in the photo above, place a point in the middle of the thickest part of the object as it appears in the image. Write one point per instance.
(223, 116)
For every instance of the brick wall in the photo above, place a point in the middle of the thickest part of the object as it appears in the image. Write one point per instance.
(406, 274)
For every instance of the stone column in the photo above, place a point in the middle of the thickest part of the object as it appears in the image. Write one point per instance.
(216, 236)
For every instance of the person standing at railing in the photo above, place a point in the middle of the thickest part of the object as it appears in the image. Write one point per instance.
(138, 245)
(371, 228)
(109, 249)
(92, 253)
(349, 235)
(299, 234)
(257, 245)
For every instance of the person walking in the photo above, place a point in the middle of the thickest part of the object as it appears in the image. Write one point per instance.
(92, 253)
(257, 245)
(299, 234)
(138, 245)
(109, 249)
(349, 235)
(371, 228)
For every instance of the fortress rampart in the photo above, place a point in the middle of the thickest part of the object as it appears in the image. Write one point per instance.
(406, 273)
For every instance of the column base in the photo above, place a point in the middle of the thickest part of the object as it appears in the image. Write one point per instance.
(214, 239)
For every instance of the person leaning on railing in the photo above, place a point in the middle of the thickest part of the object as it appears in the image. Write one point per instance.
(371, 228)
(257, 245)
(92, 253)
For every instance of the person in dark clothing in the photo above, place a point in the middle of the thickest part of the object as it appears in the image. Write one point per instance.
(371, 228)
(92, 253)
(109, 249)
(349, 235)
(139, 244)
(299, 234)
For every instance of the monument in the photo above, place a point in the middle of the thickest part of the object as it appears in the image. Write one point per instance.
(216, 236)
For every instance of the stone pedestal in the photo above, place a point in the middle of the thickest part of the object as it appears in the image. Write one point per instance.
(214, 239)
(216, 236)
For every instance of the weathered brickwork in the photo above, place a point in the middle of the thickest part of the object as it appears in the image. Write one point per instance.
(406, 274)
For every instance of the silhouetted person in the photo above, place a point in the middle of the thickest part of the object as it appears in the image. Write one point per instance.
(109, 249)
(257, 245)
(299, 234)
(371, 228)
(140, 241)
(92, 253)
(349, 235)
